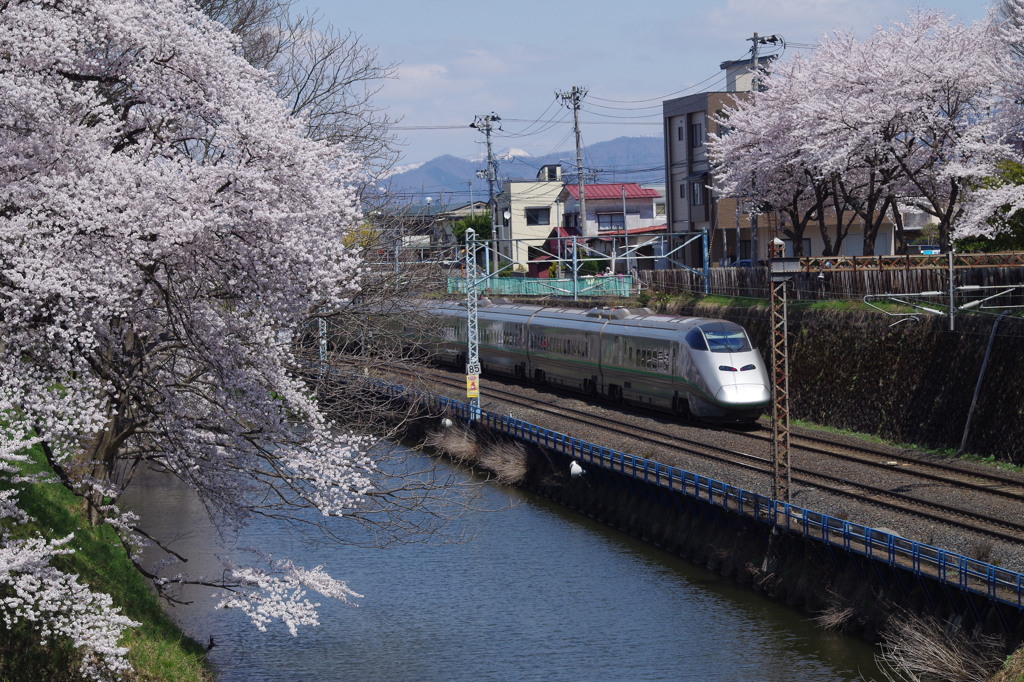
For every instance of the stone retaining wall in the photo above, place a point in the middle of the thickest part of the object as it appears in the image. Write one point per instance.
(911, 382)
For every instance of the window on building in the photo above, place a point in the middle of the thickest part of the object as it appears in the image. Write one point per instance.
(681, 132)
(696, 135)
(610, 221)
(659, 209)
(538, 216)
(696, 194)
(682, 190)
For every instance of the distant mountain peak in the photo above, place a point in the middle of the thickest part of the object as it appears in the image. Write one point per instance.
(398, 170)
(454, 181)
(514, 153)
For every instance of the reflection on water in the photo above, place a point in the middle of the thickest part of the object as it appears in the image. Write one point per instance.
(539, 593)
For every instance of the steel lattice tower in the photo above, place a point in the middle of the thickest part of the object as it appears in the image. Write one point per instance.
(472, 328)
(780, 394)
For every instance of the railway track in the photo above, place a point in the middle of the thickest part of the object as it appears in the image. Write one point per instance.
(914, 474)
(950, 473)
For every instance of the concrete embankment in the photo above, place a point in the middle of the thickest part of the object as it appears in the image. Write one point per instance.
(912, 382)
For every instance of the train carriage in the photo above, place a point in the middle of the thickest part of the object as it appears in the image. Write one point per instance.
(701, 366)
(563, 349)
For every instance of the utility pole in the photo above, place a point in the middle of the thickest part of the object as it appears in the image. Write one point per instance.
(572, 100)
(754, 82)
(486, 125)
(755, 66)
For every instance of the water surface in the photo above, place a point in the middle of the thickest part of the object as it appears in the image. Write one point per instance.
(537, 593)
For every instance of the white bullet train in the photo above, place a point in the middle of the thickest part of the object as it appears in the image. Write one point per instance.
(703, 367)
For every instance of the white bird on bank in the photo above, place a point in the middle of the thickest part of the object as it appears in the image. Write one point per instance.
(575, 470)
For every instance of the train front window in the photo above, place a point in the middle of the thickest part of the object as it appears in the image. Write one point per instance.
(695, 340)
(723, 338)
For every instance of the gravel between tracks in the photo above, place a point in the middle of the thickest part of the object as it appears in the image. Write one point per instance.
(1003, 554)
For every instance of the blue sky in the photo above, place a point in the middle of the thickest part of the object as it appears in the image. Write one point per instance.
(457, 59)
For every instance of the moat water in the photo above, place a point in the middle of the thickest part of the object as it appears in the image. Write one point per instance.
(535, 592)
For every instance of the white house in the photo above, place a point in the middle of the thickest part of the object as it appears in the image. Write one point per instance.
(623, 220)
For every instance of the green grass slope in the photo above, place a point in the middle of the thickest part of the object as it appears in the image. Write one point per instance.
(158, 649)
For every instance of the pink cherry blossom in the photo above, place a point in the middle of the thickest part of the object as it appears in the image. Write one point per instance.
(165, 228)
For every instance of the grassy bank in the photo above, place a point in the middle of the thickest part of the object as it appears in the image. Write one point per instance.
(159, 650)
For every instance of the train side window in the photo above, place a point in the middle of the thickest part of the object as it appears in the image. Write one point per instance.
(695, 340)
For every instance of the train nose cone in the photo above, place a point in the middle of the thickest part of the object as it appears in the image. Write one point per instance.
(744, 394)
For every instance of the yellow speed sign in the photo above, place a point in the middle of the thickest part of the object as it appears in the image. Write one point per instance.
(472, 385)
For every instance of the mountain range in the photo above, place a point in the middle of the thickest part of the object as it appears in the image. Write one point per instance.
(451, 180)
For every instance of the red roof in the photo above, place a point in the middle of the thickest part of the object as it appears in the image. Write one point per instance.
(635, 230)
(613, 191)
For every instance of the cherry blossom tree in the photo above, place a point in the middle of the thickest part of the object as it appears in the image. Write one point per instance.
(764, 131)
(996, 202)
(903, 117)
(166, 226)
(942, 79)
(34, 590)
(328, 76)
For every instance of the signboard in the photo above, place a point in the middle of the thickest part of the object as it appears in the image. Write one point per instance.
(472, 385)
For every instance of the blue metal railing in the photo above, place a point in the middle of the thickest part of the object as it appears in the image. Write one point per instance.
(969, 575)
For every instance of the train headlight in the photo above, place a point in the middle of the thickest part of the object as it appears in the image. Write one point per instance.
(746, 368)
(741, 395)
(726, 368)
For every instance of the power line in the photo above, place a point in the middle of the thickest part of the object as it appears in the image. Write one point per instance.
(597, 113)
(717, 74)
